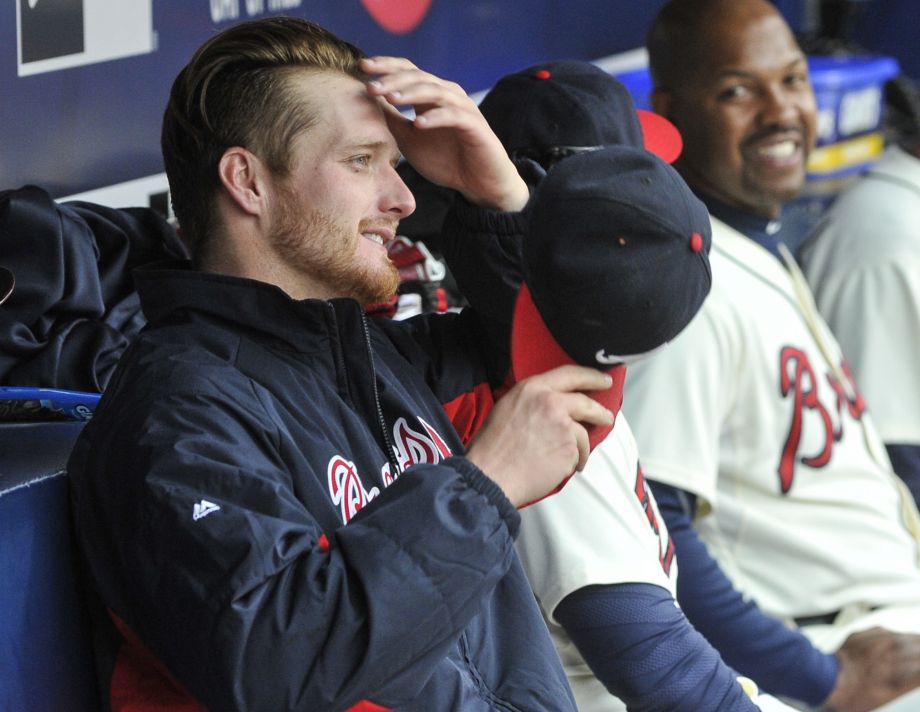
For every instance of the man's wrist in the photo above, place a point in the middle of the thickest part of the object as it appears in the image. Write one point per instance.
(511, 200)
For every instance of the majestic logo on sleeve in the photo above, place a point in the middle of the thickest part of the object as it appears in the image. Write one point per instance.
(203, 509)
(411, 447)
(799, 383)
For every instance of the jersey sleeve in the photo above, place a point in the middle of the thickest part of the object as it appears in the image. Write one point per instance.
(603, 527)
(677, 399)
(779, 658)
(874, 311)
(639, 644)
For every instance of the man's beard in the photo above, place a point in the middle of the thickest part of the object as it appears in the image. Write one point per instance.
(326, 251)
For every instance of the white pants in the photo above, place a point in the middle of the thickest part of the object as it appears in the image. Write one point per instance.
(903, 618)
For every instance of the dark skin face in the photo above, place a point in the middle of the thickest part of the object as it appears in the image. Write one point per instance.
(745, 107)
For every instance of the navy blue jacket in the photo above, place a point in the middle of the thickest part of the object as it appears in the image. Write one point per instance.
(275, 514)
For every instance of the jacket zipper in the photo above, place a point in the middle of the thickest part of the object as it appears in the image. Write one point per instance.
(388, 443)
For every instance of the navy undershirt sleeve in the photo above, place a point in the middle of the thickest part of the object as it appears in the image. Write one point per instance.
(640, 645)
(780, 660)
(906, 462)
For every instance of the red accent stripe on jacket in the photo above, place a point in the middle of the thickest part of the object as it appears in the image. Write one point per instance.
(468, 411)
(141, 683)
(367, 706)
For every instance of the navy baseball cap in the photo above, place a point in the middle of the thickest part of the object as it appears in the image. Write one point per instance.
(572, 104)
(615, 264)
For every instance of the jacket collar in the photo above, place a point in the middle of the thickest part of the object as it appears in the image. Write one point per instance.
(172, 289)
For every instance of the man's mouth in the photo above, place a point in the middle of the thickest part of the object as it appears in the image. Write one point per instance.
(382, 235)
(779, 151)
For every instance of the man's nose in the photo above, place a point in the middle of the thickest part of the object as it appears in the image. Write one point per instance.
(397, 196)
(779, 105)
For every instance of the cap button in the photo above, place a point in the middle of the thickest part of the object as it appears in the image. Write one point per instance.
(696, 242)
(543, 74)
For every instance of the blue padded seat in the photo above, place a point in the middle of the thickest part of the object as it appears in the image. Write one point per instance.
(46, 659)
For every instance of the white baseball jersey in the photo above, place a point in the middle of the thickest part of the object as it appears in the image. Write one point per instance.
(751, 409)
(603, 527)
(864, 270)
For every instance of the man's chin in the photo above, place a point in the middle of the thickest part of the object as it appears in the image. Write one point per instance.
(378, 291)
(783, 195)
(771, 197)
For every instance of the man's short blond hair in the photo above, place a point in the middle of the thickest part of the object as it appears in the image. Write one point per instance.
(235, 91)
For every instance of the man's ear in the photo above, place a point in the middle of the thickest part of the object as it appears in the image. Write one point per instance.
(661, 102)
(244, 178)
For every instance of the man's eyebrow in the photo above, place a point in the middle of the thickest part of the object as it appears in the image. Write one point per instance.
(370, 146)
(374, 147)
(743, 74)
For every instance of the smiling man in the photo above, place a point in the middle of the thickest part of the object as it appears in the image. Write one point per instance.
(273, 505)
(795, 537)
(738, 89)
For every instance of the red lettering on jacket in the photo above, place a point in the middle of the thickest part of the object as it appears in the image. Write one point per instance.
(412, 447)
(436, 439)
(346, 487)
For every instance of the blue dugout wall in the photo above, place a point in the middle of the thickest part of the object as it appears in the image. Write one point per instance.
(83, 82)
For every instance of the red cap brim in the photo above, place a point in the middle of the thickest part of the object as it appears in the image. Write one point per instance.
(660, 136)
(534, 351)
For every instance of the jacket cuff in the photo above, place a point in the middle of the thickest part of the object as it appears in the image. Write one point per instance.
(483, 484)
(482, 220)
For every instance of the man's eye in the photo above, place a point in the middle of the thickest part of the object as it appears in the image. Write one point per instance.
(734, 93)
(797, 79)
(361, 161)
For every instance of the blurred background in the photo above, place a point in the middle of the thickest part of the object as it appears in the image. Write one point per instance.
(83, 83)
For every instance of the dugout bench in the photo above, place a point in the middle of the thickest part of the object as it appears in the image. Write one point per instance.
(46, 661)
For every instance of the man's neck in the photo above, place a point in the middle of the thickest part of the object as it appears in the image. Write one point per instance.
(765, 231)
(250, 257)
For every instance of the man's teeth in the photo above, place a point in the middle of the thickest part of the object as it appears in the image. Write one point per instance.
(783, 149)
(374, 237)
